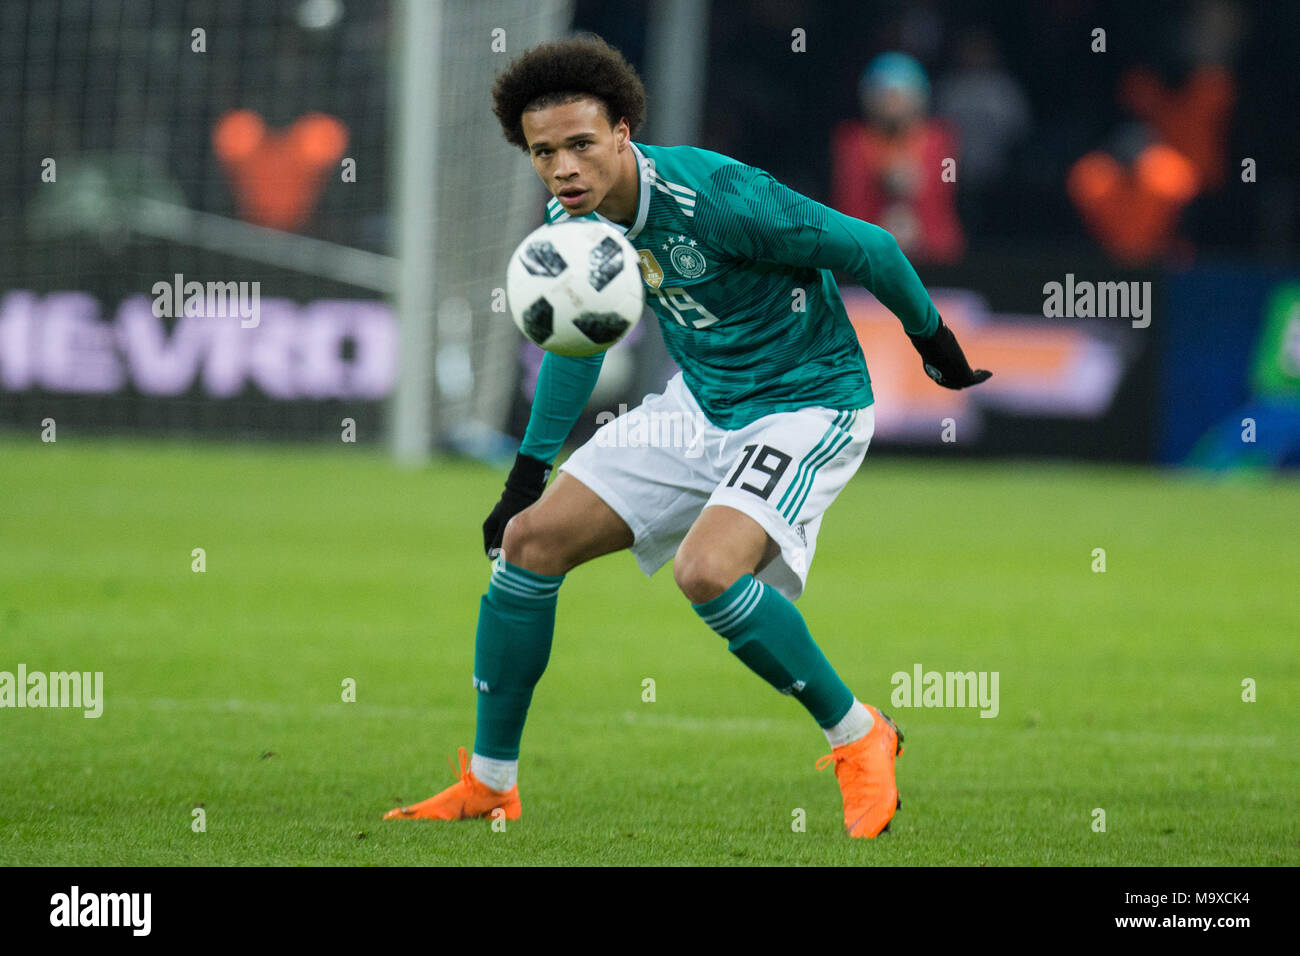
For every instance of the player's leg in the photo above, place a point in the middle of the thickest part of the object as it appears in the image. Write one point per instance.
(715, 569)
(746, 558)
(567, 526)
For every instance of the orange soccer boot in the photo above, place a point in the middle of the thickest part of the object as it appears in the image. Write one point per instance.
(865, 771)
(465, 799)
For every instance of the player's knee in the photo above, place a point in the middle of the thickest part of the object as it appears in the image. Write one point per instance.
(702, 576)
(523, 542)
(529, 543)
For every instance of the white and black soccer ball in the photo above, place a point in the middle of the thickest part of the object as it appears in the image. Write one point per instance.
(575, 287)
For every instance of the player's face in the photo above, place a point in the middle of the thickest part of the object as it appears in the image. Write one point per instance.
(576, 152)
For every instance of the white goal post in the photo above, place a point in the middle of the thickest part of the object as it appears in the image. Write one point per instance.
(462, 200)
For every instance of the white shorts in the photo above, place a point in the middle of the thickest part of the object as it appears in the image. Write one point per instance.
(660, 464)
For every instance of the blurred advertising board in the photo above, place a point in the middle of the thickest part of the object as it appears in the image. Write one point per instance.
(1230, 367)
(160, 340)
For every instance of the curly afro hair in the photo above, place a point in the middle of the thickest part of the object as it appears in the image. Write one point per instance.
(562, 71)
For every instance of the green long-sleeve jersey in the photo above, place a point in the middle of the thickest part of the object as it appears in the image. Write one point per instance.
(739, 269)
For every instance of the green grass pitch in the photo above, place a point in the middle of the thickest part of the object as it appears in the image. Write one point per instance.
(223, 690)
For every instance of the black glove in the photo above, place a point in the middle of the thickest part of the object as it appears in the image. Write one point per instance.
(525, 485)
(944, 361)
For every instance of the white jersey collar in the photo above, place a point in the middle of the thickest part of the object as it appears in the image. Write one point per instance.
(645, 168)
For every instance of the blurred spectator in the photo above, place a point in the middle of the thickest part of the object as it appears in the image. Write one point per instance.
(888, 168)
(1131, 195)
(1134, 210)
(1193, 116)
(990, 113)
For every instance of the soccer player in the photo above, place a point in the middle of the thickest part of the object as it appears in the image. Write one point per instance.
(738, 270)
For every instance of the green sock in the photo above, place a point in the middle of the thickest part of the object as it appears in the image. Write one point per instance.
(768, 633)
(516, 621)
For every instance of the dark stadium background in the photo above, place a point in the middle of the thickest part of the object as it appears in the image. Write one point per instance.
(147, 130)
(330, 559)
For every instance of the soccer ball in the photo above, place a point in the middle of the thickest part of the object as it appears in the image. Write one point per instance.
(575, 287)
